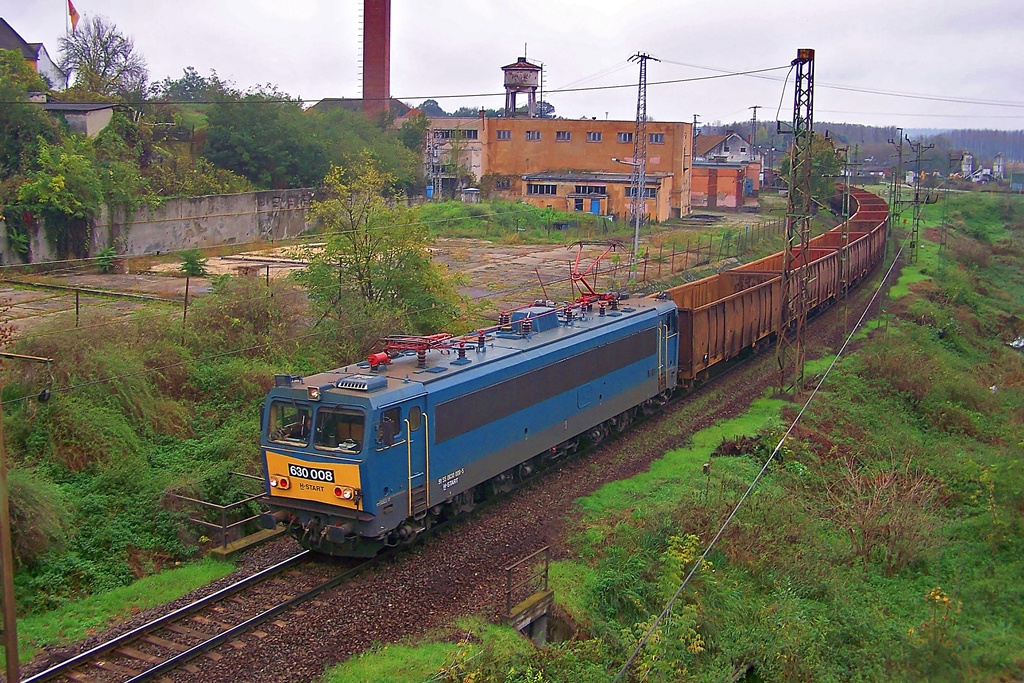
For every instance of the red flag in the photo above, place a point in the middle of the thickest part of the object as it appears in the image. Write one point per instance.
(73, 13)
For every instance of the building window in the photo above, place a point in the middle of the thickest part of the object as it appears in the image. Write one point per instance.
(625, 137)
(593, 136)
(532, 135)
(541, 188)
(504, 135)
(457, 133)
(563, 136)
(743, 149)
(578, 204)
(591, 189)
(649, 192)
(726, 148)
(502, 184)
(656, 138)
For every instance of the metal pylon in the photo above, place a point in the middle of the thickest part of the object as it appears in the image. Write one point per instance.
(638, 182)
(790, 343)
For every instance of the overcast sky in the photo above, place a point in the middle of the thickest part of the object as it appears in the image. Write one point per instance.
(311, 48)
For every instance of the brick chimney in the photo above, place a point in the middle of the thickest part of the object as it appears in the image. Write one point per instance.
(376, 56)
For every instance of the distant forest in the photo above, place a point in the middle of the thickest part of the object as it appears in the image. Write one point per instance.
(870, 144)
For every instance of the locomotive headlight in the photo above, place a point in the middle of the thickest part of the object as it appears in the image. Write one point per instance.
(345, 492)
(273, 482)
(313, 393)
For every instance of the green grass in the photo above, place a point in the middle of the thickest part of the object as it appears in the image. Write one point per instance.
(679, 468)
(452, 650)
(76, 620)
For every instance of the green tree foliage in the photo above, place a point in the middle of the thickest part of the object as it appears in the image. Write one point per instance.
(266, 137)
(376, 255)
(346, 135)
(21, 124)
(825, 166)
(103, 60)
(192, 87)
(414, 131)
(193, 263)
(64, 183)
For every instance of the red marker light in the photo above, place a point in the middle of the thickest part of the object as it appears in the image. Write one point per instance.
(283, 483)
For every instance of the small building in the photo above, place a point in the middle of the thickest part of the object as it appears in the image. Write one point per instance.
(34, 53)
(728, 148)
(725, 186)
(87, 118)
(599, 193)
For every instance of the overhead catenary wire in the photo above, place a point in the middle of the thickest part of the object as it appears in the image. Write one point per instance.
(764, 469)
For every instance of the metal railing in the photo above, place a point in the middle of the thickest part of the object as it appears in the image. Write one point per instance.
(511, 585)
(223, 510)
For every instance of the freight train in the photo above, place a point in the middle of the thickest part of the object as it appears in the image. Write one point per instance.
(370, 455)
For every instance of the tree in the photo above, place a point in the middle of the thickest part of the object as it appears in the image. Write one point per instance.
(65, 190)
(432, 108)
(825, 167)
(192, 87)
(103, 60)
(266, 137)
(413, 132)
(21, 124)
(375, 257)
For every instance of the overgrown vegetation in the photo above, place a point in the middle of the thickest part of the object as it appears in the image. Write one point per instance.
(884, 543)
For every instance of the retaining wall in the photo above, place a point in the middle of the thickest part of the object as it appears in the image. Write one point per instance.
(195, 222)
(203, 222)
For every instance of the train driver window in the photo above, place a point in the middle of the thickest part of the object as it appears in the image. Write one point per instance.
(289, 422)
(390, 426)
(339, 429)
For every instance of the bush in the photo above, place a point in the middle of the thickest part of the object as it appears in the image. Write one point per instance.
(192, 263)
(39, 517)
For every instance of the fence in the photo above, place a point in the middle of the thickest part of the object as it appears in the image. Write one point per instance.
(532, 580)
(222, 511)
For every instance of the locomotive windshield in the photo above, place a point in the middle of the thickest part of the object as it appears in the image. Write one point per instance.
(289, 422)
(339, 429)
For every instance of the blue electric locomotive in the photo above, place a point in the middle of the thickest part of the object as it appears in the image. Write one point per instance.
(370, 455)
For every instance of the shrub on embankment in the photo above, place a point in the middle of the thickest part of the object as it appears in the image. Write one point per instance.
(142, 404)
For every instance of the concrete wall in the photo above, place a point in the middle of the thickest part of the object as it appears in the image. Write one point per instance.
(202, 222)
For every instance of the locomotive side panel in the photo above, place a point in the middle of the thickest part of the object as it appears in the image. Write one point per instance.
(542, 403)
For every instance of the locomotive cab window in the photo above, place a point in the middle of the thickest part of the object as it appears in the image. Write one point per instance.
(390, 426)
(289, 422)
(339, 429)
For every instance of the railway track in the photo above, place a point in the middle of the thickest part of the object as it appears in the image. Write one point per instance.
(170, 642)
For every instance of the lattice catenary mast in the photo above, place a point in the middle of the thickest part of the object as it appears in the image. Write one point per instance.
(790, 347)
(638, 182)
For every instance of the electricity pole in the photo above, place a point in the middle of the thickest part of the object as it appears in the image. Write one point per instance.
(896, 186)
(798, 228)
(919, 149)
(753, 128)
(638, 182)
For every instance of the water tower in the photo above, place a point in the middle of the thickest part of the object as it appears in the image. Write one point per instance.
(522, 76)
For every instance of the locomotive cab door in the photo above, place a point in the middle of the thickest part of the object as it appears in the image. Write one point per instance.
(404, 431)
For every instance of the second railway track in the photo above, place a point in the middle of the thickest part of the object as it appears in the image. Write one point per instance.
(173, 640)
